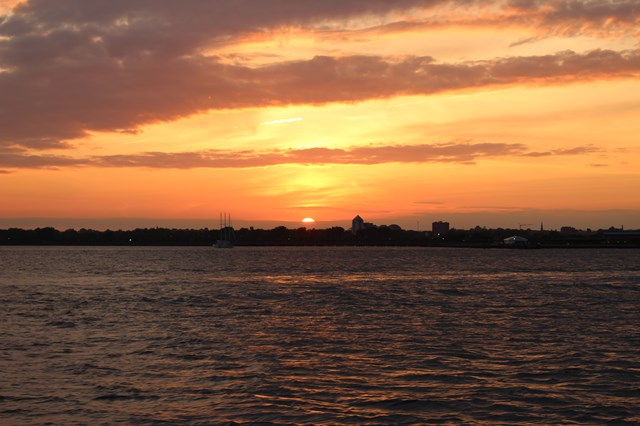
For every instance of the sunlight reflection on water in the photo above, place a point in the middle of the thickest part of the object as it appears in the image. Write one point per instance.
(319, 335)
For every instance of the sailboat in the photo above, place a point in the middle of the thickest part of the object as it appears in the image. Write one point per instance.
(225, 236)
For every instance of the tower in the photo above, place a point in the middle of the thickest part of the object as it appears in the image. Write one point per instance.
(357, 224)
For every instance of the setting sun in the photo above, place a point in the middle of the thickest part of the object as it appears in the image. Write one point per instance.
(404, 112)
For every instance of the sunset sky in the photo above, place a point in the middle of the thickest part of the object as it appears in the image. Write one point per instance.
(127, 113)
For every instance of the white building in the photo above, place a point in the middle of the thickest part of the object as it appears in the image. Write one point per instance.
(357, 224)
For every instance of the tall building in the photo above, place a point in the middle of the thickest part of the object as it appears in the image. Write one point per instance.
(357, 224)
(440, 227)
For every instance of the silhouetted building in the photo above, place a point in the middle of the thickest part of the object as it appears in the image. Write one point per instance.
(440, 227)
(357, 224)
(568, 230)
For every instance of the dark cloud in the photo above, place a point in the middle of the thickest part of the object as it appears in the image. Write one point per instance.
(77, 66)
(18, 159)
(167, 27)
(570, 17)
(71, 67)
(62, 101)
(611, 19)
(459, 153)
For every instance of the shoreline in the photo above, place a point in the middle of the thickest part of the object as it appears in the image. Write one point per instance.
(456, 246)
(337, 236)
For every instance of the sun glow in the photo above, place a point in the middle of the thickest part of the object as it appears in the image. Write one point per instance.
(443, 112)
(281, 121)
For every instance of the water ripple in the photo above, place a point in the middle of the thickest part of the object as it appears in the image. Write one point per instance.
(319, 336)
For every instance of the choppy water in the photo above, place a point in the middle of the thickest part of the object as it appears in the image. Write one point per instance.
(319, 336)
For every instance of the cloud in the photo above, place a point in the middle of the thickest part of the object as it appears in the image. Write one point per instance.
(579, 150)
(563, 18)
(19, 159)
(573, 17)
(432, 203)
(71, 67)
(364, 155)
(457, 153)
(66, 102)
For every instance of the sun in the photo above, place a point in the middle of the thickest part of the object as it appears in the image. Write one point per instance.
(308, 220)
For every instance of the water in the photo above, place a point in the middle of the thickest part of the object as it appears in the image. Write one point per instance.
(318, 336)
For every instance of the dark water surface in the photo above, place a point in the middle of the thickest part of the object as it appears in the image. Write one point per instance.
(318, 336)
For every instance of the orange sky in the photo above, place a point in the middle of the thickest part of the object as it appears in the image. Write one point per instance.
(114, 114)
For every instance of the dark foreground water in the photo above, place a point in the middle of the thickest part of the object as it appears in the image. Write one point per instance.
(318, 336)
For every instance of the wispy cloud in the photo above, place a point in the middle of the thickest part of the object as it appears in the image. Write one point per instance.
(431, 203)
(580, 150)
(575, 17)
(18, 159)
(565, 18)
(364, 155)
(458, 153)
(281, 121)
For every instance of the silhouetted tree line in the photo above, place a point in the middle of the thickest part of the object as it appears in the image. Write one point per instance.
(336, 236)
(150, 236)
(280, 236)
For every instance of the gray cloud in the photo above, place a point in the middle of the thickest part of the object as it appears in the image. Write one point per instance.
(18, 159)
(611, 19)
(570, 17)
(76, 66)
(42, 107)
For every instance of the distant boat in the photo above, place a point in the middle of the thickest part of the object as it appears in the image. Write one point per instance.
(516, 242)
(225, 235)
